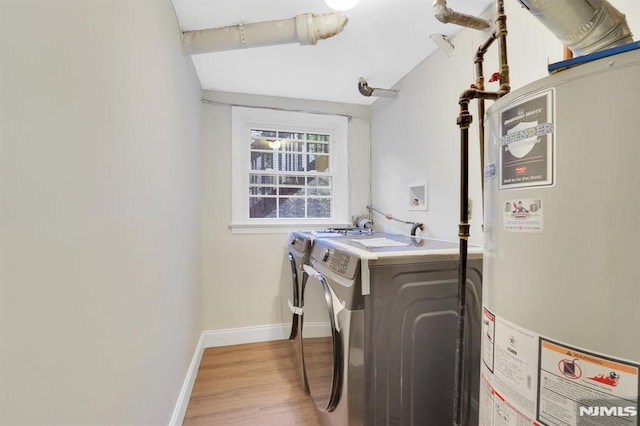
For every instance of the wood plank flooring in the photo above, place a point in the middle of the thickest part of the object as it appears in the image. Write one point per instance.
(251, 384)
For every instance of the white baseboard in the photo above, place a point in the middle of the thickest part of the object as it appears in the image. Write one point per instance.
(213, 338)
(180, 408)
(238, 336)
(228, 337)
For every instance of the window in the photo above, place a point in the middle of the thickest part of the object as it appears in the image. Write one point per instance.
(289, 169)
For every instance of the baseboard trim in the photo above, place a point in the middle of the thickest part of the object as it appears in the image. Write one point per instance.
(238, 336)
(180, 409)
(214, 338)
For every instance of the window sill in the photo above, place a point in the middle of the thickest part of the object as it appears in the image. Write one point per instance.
(280, 228)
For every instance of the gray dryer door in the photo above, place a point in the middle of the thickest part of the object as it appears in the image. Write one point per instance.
(321, 344)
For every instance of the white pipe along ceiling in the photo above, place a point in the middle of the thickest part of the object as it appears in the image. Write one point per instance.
(305, 29)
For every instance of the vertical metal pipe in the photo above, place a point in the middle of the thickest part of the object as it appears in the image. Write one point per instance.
(501, 29)
(464, 120)
(479, 61)
(480, 86)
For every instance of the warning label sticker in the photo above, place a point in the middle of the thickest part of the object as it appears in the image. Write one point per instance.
(486, 402)
(488, 333)
(508, 395)
(508, 415)
(523, 215)
(541, 382)
(576, 387)
(516, 351)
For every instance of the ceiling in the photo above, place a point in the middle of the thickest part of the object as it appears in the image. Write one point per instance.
(382, 42)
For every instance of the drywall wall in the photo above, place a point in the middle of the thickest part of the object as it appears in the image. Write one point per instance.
(241, 273)
(415, 138)
(99, 188)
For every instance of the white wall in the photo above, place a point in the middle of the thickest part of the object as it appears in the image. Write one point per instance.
(415, 137)
(99, 188)
(241, 273)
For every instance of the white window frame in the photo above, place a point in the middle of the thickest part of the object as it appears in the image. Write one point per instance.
(244, 119)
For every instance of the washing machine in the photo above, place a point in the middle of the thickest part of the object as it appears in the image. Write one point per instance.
(297, 250)
(384, 352)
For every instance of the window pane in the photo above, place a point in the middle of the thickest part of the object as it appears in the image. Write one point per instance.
(320, 191)
(261, 143)
(262, 161)
(318, 163)
(292, 145)
(262, 190)
(291, 135)
(313, 147)
(319, 207)
(319, 181)
(262, 207)
(290, 162)
(256, 133)
(292, 180)
(318, 137)
(292, 191)
(262, 179)
(291, 207)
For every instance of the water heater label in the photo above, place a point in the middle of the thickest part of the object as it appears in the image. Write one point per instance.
(526, 142)
(529, 379)
(523, 215)
(508, 393)
(578, 387)
(488, 331)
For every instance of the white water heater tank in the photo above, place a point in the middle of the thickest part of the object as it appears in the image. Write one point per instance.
(561, 291)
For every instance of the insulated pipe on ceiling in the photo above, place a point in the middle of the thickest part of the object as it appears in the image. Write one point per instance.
(584, 26)
(305, 29)
(449, 16)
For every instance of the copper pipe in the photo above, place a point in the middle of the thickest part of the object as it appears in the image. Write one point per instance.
(501, 22)
(479, 60)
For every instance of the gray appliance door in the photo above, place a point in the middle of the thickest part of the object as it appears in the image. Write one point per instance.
(321, 344)
(290, 299)
(410, 333)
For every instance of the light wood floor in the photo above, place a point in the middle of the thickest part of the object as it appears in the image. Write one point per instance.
(252, 384)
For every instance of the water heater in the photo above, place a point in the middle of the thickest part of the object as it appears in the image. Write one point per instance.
(561, 296)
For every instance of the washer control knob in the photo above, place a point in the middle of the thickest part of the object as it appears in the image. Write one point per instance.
(325, 255)
(293, 241)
